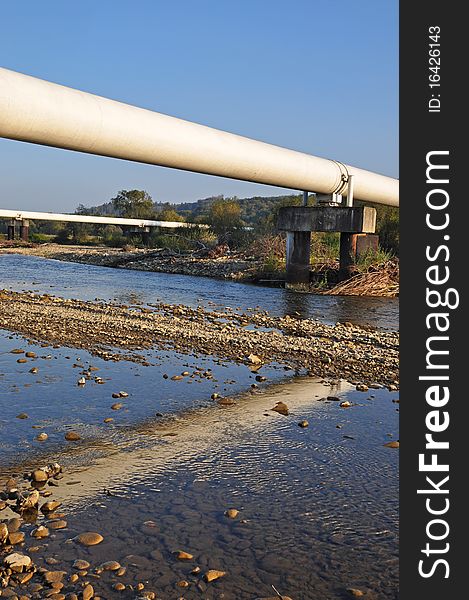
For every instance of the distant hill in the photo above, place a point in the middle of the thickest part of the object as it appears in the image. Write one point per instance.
(254, 211)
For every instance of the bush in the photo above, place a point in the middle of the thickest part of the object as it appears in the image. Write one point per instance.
(42, 238)
(372, 258)
(388, 230)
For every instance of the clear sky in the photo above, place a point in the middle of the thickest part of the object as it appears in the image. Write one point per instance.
(319, 76)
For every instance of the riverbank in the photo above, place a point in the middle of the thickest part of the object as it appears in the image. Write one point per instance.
(235, 267)
(381, 281)
(116, 331)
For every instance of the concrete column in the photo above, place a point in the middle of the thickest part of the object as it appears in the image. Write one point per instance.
(24, 230)
(298, 256)
(11, 230)
(348, 253)
(145, 235)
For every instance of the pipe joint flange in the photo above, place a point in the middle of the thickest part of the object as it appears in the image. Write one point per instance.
(343, 178)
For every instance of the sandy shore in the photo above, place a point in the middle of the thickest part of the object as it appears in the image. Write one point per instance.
(120, 331)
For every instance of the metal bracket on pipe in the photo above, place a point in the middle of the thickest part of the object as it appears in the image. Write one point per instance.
(329, 199)
(349, 201)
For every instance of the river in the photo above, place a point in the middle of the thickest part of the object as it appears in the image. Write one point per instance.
(318, 506)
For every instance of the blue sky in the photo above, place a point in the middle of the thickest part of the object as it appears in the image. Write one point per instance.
(319, 76)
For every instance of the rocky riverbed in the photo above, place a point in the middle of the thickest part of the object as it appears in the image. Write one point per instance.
(239, 501)
(164, 450)
(234, 266)
(119, 331)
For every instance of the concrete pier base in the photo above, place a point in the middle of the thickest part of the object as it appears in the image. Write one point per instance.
(347, 254)
(298, 256)
(298, 222)
(24, 230)
(11, 231)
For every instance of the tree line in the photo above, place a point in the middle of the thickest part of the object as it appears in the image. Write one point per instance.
(232, 220)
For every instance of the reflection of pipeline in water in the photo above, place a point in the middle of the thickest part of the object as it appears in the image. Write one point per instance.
(193, 432)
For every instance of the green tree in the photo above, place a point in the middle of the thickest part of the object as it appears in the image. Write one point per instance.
(134, 204)
(169, 214)
(225, 217)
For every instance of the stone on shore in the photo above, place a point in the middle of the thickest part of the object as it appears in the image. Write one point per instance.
(281, 408)
(89, 538)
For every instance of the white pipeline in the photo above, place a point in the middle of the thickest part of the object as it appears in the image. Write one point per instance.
(33, 110)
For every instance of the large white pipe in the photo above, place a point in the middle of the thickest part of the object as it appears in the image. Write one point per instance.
(19, 215)
(34, 110)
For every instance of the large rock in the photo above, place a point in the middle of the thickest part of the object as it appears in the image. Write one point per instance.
(17, 562)
(89, 538)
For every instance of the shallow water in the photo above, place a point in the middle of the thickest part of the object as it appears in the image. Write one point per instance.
(318, 506)
(87, 282)
(55, 403)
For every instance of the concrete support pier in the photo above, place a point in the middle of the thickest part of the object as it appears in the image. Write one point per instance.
(299, 221)
(347, 254)
(11, 230)
(24, 230)
(298, 256)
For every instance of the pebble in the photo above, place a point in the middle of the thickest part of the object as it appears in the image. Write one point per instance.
(303, 423)
(16, 537)
(119, 587)
(42, 437)
(81, 381)
(117, 406)
(13, 524)
(59, 524)
(31, 355)
(213, 574)
(54, 576)
(231, 513)
(22, 360)
(110, 565)
(226, 402)
(183, 584)
(281, 408)
(72, 436)
(17, 562)
(89, 538)
(254, 359)
(22, 416)
(345, 404)
(394, 444)
(81, 565)
(50, 506)
(34, 370)
(181, 555)
(40, 532)
(355, 592)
